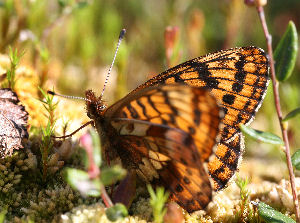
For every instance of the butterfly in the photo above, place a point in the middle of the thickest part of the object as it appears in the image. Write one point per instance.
(167, 128)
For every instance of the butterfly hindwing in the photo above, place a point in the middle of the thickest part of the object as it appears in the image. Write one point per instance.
(224, 163)
(238, 77)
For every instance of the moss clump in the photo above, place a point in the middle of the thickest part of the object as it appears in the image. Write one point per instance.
(25, 195)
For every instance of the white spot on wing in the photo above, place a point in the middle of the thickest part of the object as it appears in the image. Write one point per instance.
(136, 129)
(153, 159)
(148, 170)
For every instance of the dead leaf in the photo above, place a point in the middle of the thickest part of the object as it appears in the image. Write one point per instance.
(3, 77)
(13, 121)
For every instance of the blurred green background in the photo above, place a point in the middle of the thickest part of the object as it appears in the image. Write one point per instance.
(70, 44)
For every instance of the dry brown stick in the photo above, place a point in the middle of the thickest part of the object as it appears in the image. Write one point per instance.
(261, 14)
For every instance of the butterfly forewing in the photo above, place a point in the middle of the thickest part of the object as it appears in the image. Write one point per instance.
(193, 110)
(157, 140)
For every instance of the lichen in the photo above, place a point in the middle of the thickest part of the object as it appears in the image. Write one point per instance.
(92, 214)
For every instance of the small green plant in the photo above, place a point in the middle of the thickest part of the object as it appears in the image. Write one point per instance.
(48, 131)
(246, 214)
(46, 146)
(244, 194)
(49, 105)
(14, 57)
(282, 64)
(92, 182)
(157, 202)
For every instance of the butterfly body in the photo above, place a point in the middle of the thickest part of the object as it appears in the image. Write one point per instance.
(166, 129)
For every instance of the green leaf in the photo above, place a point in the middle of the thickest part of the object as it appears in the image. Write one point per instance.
(96, 147)
(270, 215)
(286, 52)
(116, 212)
(2, 215)
(292, 114)
(81, 4)
(80, 180)
(296, 159)
(110, 175)
(266, 137)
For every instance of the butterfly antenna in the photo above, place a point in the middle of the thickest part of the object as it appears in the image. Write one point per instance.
(67, 96)
(121, 36)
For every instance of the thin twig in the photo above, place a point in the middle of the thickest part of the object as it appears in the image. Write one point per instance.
(278, 109)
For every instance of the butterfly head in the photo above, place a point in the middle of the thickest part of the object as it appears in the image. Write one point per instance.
(94, 105)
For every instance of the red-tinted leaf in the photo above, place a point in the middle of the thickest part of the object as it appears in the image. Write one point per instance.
(125, 192)
(13, 121)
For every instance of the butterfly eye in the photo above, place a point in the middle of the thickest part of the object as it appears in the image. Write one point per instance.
(101, 107)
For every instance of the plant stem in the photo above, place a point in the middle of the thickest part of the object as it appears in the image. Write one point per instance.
(106, 199)
(261, 14)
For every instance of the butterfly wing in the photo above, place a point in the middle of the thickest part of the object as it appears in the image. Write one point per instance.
(158, 142)
(190, 186)
(238, 77)
(224, 163)
(193, 110)
(151, 132)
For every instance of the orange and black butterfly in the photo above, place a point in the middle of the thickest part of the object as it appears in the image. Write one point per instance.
(166, 129)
